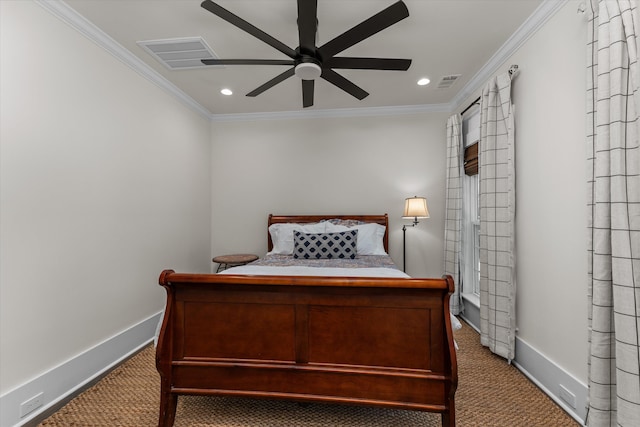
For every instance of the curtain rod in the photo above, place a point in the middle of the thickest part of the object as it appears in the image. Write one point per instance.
(470, 105)
(513, 70)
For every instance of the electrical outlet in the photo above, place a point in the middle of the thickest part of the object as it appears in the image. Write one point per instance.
(567, 396)
(31, 405)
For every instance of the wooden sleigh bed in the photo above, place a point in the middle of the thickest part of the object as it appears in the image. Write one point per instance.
(375, 341)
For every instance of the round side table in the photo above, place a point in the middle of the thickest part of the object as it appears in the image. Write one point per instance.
(227, 261)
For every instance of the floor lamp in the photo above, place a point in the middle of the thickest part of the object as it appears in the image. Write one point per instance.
(414, 207)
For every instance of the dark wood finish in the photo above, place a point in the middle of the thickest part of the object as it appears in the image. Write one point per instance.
(235, 259)
(471, 159)
(226, 261)
(353, 340)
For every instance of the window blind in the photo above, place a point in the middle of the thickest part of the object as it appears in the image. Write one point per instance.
(471, 159)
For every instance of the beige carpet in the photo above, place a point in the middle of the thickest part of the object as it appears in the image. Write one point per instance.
(490, 393)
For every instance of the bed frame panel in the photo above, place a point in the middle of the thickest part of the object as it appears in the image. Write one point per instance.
(370, 341)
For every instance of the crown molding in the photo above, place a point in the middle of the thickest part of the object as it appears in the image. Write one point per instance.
(68, 15)
(528, 28)
(539, 17)
(335, 113)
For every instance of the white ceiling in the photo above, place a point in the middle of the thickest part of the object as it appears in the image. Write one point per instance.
(442, 37)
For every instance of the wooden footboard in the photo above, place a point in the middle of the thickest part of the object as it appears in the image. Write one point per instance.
(370, 341)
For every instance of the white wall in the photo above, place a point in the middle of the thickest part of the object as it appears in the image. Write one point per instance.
(105, 181)
(550, 99)
(330, 166)
(551, 216)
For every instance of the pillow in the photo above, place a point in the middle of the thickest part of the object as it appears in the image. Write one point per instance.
(342, 245)
(282, 235)
(345, 222)
(370, 237)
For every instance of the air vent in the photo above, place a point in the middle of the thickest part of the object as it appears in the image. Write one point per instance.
(447, 81)
(180, 54)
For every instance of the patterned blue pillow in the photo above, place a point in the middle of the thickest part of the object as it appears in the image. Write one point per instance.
(342, 245)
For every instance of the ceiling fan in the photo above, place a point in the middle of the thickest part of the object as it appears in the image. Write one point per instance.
(309, 61)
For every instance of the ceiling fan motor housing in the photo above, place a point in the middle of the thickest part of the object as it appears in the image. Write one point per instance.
(308, 68)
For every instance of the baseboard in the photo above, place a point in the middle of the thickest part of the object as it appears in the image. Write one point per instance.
(65, 380)
(562, 387)
(471, 312)
(543, 372)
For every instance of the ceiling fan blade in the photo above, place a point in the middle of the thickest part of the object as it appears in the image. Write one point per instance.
(368, 63)
(307, 24)
(307, 93)
(344, 84)
(247, 62)
(271, 83)
(378, 22)
(244, 25)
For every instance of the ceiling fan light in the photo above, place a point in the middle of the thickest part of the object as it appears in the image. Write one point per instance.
(308, 71)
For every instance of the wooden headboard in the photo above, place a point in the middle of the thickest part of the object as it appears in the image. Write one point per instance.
(301, 219)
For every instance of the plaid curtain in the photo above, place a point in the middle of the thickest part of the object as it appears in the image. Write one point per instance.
(453, 209)
(497, 218)
(613, 163)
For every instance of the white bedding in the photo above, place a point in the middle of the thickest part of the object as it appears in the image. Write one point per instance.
(260, 270)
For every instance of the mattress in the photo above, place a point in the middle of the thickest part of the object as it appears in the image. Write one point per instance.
(287, 265)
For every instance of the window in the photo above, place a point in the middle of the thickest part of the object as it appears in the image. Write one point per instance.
(470, 235)
(470, 206)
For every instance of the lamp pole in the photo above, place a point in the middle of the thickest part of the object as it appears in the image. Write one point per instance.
(414, 207)
(404, 243)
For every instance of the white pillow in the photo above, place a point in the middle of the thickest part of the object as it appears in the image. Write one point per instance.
(282, 235)
(370, 237)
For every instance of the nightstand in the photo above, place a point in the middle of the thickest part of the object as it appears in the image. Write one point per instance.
(227, 261)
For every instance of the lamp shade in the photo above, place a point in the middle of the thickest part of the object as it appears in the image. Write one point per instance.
(416, 207)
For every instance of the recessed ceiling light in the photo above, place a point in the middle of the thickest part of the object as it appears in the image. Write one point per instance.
(424, 81)
(226, 92)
